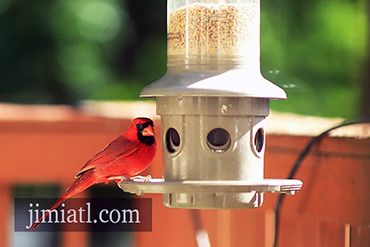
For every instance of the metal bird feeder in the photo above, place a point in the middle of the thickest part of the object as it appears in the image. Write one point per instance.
(213, 103)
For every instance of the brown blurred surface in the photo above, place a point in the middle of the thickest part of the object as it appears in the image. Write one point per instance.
(49, 144)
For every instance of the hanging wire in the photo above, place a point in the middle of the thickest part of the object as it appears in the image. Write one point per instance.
(298, 164)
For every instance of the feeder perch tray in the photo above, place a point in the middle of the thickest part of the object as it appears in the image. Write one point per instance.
(159, 186)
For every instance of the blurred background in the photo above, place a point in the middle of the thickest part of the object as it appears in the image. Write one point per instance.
(65, 51)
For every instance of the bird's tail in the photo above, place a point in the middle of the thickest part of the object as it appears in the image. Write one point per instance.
(80, 184)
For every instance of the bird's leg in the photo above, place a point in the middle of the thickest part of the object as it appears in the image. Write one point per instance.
(144, 178)
(116, 178)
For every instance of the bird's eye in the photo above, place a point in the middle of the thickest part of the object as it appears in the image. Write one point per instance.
(138, 126)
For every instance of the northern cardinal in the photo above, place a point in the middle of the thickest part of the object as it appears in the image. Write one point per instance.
(125, 157)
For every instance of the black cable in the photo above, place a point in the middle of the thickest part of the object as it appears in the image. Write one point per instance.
(298, 163)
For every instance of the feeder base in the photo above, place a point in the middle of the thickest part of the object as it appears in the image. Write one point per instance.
(211, 194)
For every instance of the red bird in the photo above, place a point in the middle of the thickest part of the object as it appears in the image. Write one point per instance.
(125, 157)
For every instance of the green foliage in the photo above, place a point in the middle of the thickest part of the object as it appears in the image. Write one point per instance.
(64, 51)
(316, 52)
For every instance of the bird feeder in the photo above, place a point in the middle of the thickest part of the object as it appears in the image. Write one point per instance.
(213, 102)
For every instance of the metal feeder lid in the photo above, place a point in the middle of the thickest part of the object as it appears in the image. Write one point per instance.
(232, 83)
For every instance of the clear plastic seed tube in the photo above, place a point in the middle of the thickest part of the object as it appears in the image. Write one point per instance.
(213, 32)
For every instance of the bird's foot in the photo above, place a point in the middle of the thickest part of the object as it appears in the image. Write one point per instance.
(141, 178)
(117, 179)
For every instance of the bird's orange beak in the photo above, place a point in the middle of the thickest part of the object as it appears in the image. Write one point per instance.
(148, 131)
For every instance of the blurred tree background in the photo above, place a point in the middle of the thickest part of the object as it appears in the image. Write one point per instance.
(64, 51)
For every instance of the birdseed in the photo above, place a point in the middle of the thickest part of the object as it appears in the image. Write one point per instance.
(214, 29)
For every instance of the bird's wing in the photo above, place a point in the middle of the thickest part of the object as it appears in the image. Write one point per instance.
(118, 149)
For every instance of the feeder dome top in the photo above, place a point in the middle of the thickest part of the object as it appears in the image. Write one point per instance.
(232, 83)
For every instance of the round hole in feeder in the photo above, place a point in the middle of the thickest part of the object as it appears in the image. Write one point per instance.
(172, 140)
(219, 140)
(259, 140)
